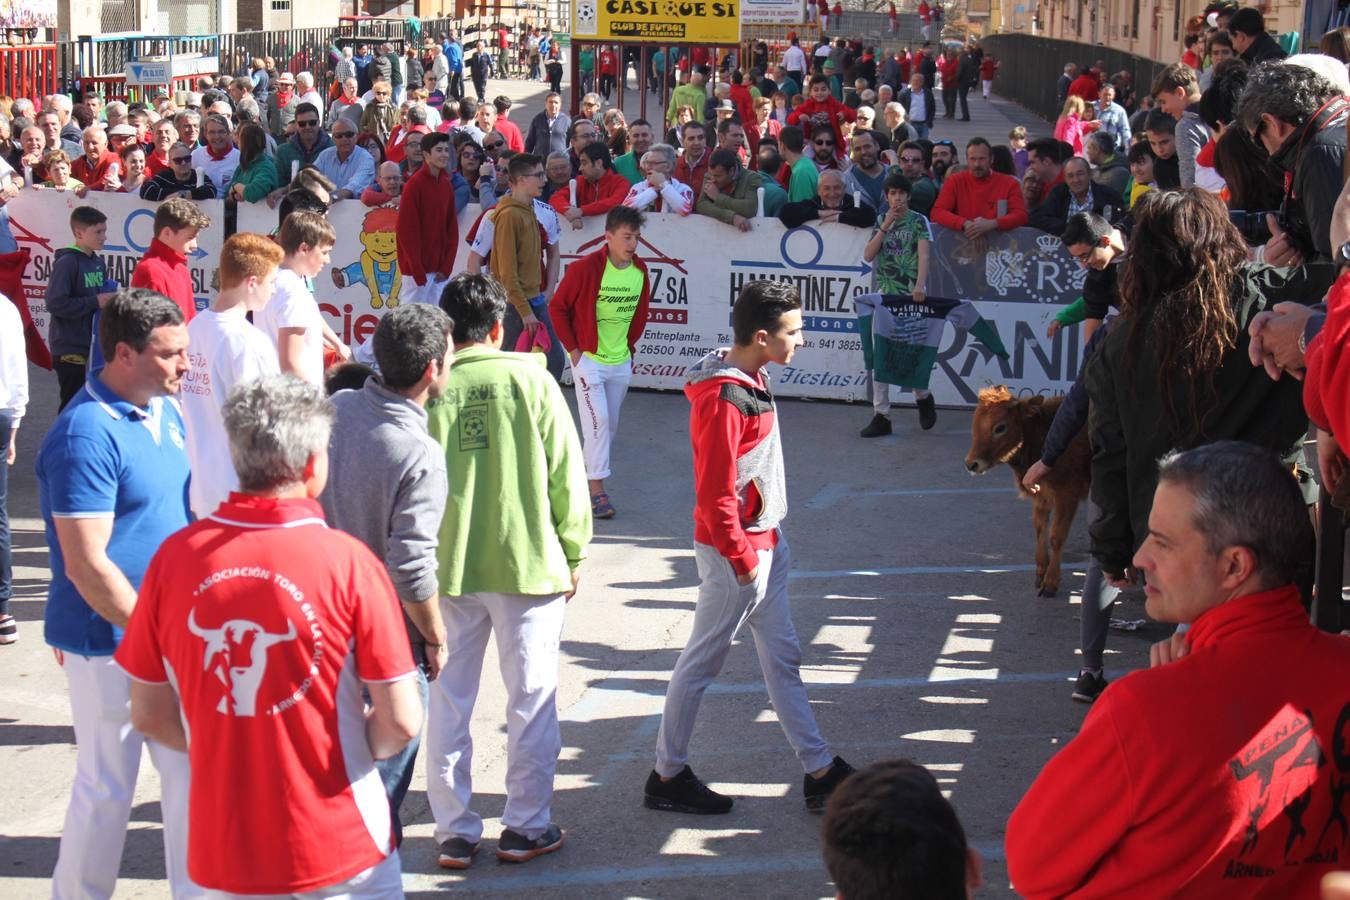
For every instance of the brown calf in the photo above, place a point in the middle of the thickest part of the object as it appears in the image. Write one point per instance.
(1009, 430)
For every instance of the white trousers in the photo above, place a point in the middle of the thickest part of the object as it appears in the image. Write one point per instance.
(383, 881)
(600, 392)
(429, 293)
(988, 86)
(528, 630)
(723, 607)
(107, 760)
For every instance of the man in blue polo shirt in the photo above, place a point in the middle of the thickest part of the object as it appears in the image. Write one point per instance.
(112, 484)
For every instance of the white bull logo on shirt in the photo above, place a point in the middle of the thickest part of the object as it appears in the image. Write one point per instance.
(237, 653)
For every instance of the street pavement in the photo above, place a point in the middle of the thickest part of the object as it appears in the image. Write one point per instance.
(913, 597)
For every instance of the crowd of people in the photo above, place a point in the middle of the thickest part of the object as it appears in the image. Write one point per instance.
(295, 557)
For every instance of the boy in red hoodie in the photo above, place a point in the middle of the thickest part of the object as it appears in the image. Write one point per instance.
(823, 109)
(428, 225)
(743, 559)
(600, 312)
(164, 267)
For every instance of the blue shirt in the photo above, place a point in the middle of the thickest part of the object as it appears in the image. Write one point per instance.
(454, 56)
(355, 175)
(105, 457)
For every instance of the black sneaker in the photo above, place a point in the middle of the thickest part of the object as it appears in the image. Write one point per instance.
(456, 853)
(927, 412)
(818, 790)
(1089, 686)
(517, 848)
(879, 426)
(684, 793)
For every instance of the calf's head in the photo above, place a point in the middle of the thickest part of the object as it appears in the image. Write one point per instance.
(996, 428)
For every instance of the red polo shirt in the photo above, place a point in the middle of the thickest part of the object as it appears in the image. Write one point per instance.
(165, 270)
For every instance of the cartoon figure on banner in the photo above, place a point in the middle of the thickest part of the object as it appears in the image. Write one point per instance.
(377, 268)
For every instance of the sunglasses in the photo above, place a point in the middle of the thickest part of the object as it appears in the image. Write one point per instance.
(307, 123)
(495, 145)
(823, 143)
(344, 134)
(181, 160)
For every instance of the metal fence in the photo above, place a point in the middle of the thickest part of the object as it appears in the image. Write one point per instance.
(1031, 66)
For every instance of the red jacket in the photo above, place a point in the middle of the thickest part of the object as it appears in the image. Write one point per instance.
(428, 226)
(572, 308)
(165, 270)
(693, 177)
(963, 197)
(1085, 86)
(1221, 775)
(95, 177)
(988, 68)
(810, 114)
(950, 69)
(739, 491)
(1326, 385)
(593, 199)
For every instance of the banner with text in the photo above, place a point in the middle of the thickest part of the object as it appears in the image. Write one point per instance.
(660, 21)
(40, 221)
(1018, 280)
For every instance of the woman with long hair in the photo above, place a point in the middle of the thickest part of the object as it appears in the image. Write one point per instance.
(256, 176)
(684, 114)
(1073, 125)
(133, 163)
(1173, 373)
(476, 175)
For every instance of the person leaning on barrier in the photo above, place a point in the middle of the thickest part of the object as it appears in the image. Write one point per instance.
(831, 204)
(1299, 117)
(1112, 168)
(659, 191)
(598, 189)
(305, 144)
(1078, 192)
(179, 180)
(1175, 371)
(1171, 788)
(979, 200)
(730, 192)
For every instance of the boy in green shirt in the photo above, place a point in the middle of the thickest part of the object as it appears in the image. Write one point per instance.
(599, 311)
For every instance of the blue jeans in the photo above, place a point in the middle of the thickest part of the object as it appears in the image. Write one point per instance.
(920, 129)
(512, 326)
(397, 771)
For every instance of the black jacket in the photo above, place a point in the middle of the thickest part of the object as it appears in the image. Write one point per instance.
(968, 71)
(906, 96)
(1114, 174)
(803, 211)
(1131, 426)
(928, 69)
(76, 280)
(1263, 49)
(1314, 154)
(1052, 215)
(1072, 414)
(164, 185)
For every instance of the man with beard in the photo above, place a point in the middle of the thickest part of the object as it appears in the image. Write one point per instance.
(944, 157)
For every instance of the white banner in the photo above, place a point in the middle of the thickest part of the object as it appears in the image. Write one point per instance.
(40, 221)
(1019, 281)
(772, 12)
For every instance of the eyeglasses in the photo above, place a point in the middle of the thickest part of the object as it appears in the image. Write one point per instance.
(181, 160)
(381, 93)
(915, 160)
(307, 123)
(344, 134)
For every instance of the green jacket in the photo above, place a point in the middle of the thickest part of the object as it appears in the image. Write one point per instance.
(259, 180)
(802, 183)
(743, 199)
(518, 518)
(627, 166)
(686, 95)
(1131, 427)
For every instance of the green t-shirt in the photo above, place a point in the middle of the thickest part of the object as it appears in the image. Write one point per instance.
(896, 267)
(620, 291)
(802, 182)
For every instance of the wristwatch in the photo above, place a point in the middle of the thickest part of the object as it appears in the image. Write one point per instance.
(1343, 256)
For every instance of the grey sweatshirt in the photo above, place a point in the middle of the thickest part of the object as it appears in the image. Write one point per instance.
(387, 485)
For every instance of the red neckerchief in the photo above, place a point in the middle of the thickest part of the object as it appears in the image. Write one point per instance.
(218, 157)
(284, 97)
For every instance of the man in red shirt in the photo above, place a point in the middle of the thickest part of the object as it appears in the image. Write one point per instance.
(164, 267)
(255, 631)
(950, 69)
(1223, 770)
(98, 167)
(979, 200)
(428, 225)
(505, 127)
(599, 189)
